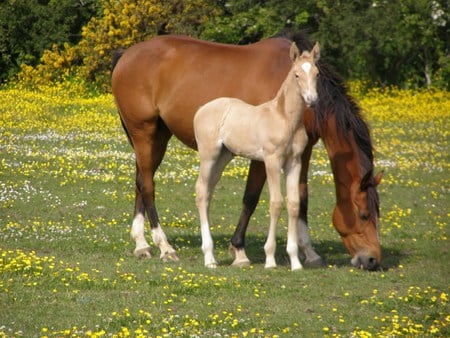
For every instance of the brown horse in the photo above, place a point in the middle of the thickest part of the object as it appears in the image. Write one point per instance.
(159, 84)
(272, 132)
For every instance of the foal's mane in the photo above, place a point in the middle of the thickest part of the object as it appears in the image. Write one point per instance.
(335, 100)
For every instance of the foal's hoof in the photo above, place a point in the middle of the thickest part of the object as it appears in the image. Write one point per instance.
(143, 252)
(315, 263)
(241, 263)
(170, 257)
(212, 265)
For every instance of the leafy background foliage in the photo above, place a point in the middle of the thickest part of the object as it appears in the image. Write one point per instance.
(405, 43)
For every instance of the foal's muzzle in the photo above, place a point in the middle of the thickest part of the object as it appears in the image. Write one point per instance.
(310, 100)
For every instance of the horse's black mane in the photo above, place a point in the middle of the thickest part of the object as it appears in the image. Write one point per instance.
(334, 99)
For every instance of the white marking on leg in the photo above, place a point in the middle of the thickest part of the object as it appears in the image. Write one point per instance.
(160, 240)
(305, 243)
(138, 235)
(240, 257)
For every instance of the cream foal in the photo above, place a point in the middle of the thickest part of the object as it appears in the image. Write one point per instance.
(272, 132)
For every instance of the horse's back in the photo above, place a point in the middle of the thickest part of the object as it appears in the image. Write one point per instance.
(172, 76)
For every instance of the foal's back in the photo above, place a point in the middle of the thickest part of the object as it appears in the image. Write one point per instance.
(235, 124)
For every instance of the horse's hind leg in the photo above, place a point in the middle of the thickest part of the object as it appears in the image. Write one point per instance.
(313, 260)
(255, 183)
(138, 227)
(149, 142)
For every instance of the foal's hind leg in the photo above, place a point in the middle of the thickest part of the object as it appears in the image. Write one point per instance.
(212, 162)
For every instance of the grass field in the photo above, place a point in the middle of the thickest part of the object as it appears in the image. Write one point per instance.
(66, 262)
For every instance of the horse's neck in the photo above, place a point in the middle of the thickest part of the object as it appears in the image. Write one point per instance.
(345, 161)
(289, 101)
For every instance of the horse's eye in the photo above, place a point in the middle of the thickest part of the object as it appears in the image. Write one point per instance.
(296, 75)
(364, 216)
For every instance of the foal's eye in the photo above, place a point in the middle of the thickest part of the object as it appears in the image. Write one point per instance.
(296, 75)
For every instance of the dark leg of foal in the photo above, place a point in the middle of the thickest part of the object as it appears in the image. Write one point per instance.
(255, 183)
(312, 260)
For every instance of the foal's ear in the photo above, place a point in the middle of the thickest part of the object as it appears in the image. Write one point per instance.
(294, 52)
(316, 51)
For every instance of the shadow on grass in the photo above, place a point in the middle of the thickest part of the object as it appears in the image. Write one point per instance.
(333, 252)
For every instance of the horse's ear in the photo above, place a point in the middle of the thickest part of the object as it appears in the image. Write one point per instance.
(378, 177)
(316, 51)
(366, 181)
(294, 52)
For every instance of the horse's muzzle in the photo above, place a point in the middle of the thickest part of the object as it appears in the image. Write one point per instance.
(366, 262)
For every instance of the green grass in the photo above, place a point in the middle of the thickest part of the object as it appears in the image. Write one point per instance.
(66, 262)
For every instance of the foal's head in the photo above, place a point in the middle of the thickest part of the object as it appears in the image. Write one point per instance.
(305, 71)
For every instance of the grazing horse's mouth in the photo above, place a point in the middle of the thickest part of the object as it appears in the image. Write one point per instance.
(365, 262)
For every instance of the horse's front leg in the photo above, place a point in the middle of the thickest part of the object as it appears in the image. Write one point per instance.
(312, 259)
(255, 183)
(273, 168)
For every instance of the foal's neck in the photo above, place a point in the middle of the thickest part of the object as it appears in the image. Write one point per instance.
(289, 101)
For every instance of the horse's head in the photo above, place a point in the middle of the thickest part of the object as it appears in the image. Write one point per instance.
(305, 71)
(357, 223)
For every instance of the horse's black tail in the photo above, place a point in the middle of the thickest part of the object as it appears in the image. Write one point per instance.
(117, 54)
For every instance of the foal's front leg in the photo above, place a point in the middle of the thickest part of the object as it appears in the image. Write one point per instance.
(273, 168)
(292, 171)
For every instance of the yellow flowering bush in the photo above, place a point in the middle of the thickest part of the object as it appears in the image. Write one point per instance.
(122, 24)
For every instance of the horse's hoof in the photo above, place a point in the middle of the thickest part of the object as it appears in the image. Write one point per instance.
(143, 252)
(297, 268)
(270, 266)
(170, 257)
(242, 263)
(315, 263)
(211, 265)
